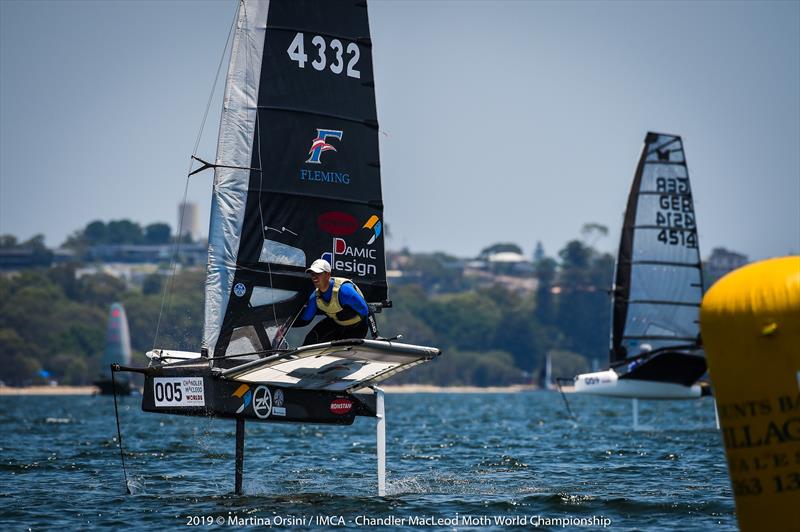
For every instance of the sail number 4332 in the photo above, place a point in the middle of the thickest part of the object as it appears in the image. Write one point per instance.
(297, 52)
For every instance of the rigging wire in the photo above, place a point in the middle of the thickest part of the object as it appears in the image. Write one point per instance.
(166, 293)
(119, 432)
(564, 397)
(216, 82)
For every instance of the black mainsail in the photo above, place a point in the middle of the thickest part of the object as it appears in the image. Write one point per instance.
(298, 171)
(658, 284)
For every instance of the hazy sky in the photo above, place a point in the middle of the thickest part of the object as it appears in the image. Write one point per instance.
(501, 121)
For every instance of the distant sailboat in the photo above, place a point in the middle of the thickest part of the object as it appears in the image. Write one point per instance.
(655, 350)
(296, 178)
(546, 380)
(117, 351)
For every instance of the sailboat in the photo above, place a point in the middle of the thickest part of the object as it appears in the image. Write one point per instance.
(117, 351)
(296, 178)
(546, 379)
(655, 348)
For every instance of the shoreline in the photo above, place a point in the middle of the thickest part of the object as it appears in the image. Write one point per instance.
(430, 388)
(49, 390)
(389, 388)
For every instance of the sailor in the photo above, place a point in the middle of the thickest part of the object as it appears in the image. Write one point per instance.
(342, 303)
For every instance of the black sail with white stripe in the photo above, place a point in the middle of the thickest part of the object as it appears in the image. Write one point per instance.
(658, 280)
(298, 172)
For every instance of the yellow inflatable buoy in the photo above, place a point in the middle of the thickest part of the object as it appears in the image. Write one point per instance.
(750, 324)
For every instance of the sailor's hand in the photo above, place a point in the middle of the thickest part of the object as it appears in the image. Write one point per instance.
(279, 336)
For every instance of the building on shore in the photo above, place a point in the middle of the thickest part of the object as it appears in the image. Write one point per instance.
(720, 262)
(188, 221)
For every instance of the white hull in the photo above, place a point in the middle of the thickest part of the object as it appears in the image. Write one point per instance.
(609, 384)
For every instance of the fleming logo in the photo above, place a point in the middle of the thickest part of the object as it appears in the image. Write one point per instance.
(320, 144)
(374, 225)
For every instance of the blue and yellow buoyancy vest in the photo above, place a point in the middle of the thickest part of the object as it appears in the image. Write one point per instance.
(333, 307)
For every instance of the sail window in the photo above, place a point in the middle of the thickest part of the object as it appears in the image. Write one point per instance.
(657, 330)
(267, 296)
(277, 253)
(244, 340)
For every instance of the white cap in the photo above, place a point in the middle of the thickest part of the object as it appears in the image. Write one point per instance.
(319, 266)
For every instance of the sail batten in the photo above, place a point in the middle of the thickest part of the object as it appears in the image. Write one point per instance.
(660, 227)
(656, 337)
(655, 193)
(366, 41)
(658, 278)
(656, 302)
(665, 263)
(370, 202)
(370, 122)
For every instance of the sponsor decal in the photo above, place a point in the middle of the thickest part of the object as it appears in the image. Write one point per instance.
(337, 223)
(325, 177)
(374, 225)
(239, 289)
(262, 402)
(340, 247)
(277, 404)
(341, 406)
(181, 391)
(245, 394)
(320, 144)
(633, 365)
(352, 259)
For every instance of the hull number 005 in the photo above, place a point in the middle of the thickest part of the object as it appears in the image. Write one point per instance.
(183, 391)
(297, 52)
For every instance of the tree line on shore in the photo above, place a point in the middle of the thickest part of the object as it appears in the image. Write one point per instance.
(492, 335)
(96, 233)
(53, 320)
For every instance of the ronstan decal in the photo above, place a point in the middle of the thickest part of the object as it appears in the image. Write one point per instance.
(341, 406)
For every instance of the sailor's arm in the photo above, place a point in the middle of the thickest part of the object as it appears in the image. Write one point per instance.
(308, 313)
(352, 303)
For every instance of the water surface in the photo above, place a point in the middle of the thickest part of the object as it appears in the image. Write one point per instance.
(473, 460)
